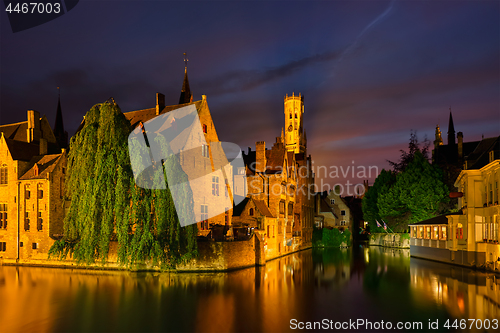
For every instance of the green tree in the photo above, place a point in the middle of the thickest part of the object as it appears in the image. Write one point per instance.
(419, 193)
(407, 156)
(369, 206)
(106, 204)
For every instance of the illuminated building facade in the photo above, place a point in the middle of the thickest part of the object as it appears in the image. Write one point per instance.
(32, 171)
(471, 236)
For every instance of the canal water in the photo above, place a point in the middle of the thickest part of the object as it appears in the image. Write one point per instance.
(363, 289)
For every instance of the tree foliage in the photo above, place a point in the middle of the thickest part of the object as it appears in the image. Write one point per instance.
(407, 156)
(106, 205)
(412, 192)
(369, 205)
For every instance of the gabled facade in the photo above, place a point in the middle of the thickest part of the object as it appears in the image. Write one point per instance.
(198, 162)
(271, 179)
(332, 211)
(31, 188)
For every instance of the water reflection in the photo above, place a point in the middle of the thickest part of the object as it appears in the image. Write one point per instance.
(372, 284)
(465, 293)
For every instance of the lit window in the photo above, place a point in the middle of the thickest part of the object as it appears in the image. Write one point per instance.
(443, 232)
(460, 231)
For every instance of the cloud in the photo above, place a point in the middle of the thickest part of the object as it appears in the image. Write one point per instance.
(244, 80)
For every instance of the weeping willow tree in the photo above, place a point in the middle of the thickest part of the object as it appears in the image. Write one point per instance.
(107, 205)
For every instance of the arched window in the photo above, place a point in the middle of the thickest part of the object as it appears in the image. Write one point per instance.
(250, 212)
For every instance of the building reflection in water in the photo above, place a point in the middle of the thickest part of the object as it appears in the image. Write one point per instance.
(337, 284)
(464, 292)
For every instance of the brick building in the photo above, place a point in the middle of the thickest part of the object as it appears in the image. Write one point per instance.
(32, 168)
(279, 182)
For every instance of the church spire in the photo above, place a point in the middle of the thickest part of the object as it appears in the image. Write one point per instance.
(451, 131)
(59, 132)
(186, 96)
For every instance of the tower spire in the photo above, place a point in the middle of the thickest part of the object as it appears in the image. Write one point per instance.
(186, 96)
(59, 132)
(451, 130)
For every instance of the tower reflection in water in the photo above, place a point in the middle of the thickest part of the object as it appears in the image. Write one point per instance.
(335, 284)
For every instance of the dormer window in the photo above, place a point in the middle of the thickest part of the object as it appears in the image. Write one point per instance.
(36, 170)
(205, 129)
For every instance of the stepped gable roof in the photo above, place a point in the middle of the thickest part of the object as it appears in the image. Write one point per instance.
(45, 165)
(22, 151)
(440, 219)
(15, 131)
(480, 156)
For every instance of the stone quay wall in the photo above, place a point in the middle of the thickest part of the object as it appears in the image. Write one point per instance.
(390, 240)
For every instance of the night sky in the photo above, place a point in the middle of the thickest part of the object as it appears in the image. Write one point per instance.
(371, 71)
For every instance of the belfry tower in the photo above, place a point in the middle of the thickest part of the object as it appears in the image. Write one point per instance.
(294, 124)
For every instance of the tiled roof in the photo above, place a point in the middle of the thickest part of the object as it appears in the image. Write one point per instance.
(259, 205)
(480, 156)
(275, 159)
(45, 164)
(22, 151)
(135, 117)
(15, 131)
(440, 219)
(262, 207)
(325, 208)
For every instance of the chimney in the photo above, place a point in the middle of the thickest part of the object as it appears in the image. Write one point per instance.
(33, 131)
(260, 156)
(160, 102)
(43, 146)
(460, 139)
